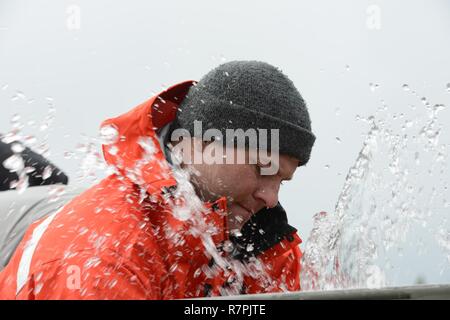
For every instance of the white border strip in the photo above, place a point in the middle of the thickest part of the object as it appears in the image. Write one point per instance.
(27, 255)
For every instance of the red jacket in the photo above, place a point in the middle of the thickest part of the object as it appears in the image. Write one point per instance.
(120, 240)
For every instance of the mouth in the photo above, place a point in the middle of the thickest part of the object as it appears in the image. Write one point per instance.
(250, 212)
(241, 218)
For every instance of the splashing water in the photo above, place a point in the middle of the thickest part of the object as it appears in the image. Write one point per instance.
(373, 86)
(14, 163)
(109, 134)
(394, 191)
(382, 201)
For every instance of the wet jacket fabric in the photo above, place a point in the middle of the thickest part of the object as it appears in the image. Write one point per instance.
(20, 210)
(130, 236)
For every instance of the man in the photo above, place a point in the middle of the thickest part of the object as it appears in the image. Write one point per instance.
(163, 227)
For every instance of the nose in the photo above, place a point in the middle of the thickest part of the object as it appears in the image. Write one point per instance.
(268, 194)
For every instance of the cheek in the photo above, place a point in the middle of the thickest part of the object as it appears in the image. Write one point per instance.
(235, 181)
(244, 184)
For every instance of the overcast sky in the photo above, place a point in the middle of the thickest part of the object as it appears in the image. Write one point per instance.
(93, 59)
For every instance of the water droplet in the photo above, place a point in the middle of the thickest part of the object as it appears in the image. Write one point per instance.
(197, 272)
(22, 184)
(14, 163)
(109, 134)
(113, 150)
(347, 67)
(20, 95)
(406, 87)
(82, 148)
(83, 230)
(327, 166)
(4, 87)
(47, 173)
(38, 288)
(43, 149)
(416, 157)
(43, 127)
(373, 86)
(68, 155)
(29, 170)
(236, 233)
(10, 137)
(147, 144)
(17, 147)
(338, 140)
(173, 268)
(15, 120)
(113, 283)
(438, 107)
(448, 87)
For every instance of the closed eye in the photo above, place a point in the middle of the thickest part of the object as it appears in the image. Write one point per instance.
(284, 180)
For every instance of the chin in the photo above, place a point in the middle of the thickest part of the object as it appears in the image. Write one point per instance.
(237, 210)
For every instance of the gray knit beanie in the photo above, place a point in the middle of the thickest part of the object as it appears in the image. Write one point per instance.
(245, 95)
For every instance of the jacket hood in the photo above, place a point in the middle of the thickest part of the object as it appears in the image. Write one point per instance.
(130, 141)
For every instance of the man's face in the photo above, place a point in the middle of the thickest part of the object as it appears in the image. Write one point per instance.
(246, 189)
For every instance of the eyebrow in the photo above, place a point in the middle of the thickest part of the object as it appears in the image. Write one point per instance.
(279, 172)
